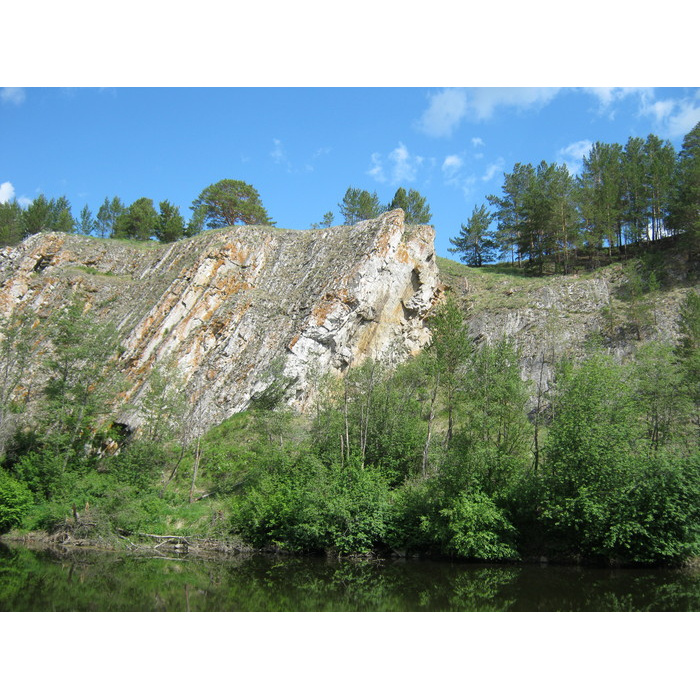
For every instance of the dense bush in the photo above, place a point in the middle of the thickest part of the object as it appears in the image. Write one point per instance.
(309, 506)
(474, 527)
(15, 502)
(606, 492)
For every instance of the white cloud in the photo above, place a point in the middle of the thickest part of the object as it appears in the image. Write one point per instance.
(446, 110)
(477, 142)
(402, 166)
(405, 165)
(453, 172)
(572, 155)
(7, 192)
(485, 101)
(492, 170)
(12, 95)
(660, 110)
(449, 107)
(684, 119)
(673, 118)
(377, 170)
(608, 96)
(451, 165)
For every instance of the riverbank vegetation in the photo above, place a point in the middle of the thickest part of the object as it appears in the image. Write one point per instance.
(450, 454)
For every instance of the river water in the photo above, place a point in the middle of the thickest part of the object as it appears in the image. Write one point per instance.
(86, 580)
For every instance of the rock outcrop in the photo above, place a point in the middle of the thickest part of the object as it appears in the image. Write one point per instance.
(551, 317)
(237, 307)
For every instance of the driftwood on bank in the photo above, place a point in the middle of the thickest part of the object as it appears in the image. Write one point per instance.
(182, 543)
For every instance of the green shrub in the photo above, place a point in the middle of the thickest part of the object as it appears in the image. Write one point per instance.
(412, 504)
(473, 527)
(603, 494)
(308, 506)
(15, 502)
(140, 464)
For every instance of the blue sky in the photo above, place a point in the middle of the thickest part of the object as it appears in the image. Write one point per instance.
(303, 147)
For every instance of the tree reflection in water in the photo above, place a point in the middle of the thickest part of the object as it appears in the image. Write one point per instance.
(97, 581)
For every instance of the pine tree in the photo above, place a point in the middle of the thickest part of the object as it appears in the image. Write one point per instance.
(660, 162)
(359, 205)
(415, 208)
(87, 223)
(170, 225)
(599, 195)
(635, 199)
(107, 216)
(510, 209)
(37, 216)
(231, 202)
(549, 218)
(684, 206)
(61, 216)
(139, 221)
(475, 244)
(11, 227)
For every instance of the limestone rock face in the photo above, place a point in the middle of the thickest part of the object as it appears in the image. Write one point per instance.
(232, 308)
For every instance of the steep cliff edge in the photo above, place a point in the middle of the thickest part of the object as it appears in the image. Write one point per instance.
(233, 307)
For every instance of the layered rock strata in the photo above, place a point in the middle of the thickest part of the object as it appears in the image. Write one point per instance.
(237, 307)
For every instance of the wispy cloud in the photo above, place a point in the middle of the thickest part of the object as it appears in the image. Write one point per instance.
(492, 170)
(486, 101)
(277, 153)
(672, 118)
(451, 165)
(477, 142)
(455, 175)
(683, 119)
(448, 108)
(401, 166)
(572, 155)
(7, 192)
(12, 95)
(377, 169)
(405, 166)
(609, 97)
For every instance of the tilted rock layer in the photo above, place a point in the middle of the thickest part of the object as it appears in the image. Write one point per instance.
(232, 308)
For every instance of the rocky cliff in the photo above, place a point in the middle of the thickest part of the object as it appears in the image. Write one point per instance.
(566, 315)
(234, 308)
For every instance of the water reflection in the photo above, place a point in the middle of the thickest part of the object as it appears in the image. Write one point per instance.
(95, 581)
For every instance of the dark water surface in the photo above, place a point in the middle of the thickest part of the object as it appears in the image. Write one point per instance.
(46, 580)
